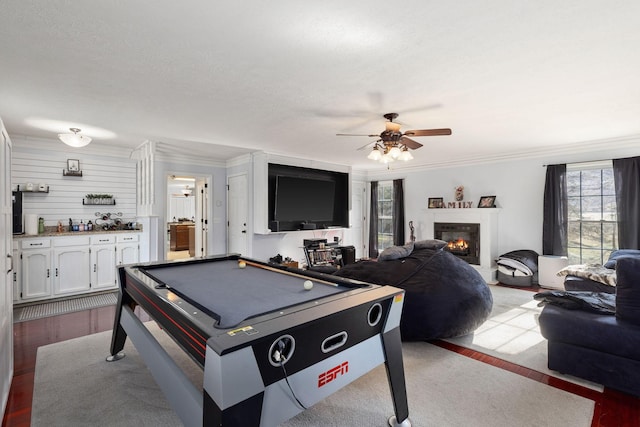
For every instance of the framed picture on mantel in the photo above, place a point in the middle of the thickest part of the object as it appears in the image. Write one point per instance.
(487, 202)
(435, 202)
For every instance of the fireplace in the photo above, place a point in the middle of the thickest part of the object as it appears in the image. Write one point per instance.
(463, 239)
(486, 248)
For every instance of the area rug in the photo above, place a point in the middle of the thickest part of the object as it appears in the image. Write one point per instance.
(74, 386)
(54, 308)
(512, 333)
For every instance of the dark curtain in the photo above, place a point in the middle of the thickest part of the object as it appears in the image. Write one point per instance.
(373, 221)
(556, 216)
(398, 212)
(626, 175)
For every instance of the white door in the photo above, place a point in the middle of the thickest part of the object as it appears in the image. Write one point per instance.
(237, 215)
(6, 277)
(357, 217)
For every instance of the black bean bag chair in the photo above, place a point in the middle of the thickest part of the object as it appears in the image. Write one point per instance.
(444, 296)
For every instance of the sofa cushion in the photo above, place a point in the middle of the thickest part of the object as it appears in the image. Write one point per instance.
(628, 290)
(396, 252)
(621, 253)
(598, 332)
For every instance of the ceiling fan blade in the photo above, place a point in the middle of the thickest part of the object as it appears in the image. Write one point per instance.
(354, 134)
(410, 143)
(369, 145)
(428, 132)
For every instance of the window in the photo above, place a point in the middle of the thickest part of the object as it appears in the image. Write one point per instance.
(593, 227)
(385, 215)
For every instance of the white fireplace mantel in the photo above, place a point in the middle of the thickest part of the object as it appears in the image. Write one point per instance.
(488, 220)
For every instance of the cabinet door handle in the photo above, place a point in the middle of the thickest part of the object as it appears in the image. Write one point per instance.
(35, 244)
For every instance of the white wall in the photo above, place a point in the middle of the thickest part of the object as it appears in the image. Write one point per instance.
(33, 162)
(518, 185)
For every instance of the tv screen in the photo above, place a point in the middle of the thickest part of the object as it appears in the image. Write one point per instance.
(303, 199)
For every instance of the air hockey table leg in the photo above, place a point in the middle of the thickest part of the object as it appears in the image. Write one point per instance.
(395, 373)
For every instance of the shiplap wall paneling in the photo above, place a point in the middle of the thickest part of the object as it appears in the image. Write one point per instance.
(103, 175)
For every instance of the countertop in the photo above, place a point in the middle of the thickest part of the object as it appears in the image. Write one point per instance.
(53, 232)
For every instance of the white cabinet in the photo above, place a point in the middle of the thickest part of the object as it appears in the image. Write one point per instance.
(71, 261)
(35, 261)
(103, 262)
(70, 265)
(127, 248)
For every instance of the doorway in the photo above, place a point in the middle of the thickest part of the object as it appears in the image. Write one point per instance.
(237, 215)
(187, 216)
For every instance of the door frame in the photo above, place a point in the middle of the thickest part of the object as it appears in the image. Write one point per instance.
(203, 188)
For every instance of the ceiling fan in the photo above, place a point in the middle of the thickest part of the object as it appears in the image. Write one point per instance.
(393, 144)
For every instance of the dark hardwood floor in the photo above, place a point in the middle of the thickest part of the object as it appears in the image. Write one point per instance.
(612, 409)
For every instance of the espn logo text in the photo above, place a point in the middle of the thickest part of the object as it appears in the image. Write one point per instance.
(326, 377)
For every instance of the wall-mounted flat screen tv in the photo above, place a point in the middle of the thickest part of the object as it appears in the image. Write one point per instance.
(303, 199)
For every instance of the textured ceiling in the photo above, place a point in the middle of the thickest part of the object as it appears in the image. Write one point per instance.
(509, 78)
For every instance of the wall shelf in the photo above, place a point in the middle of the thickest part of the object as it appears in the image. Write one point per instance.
(34, 190)
(111, 202)
(67, 172)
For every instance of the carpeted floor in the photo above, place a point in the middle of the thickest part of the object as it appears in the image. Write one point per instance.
(74, 386)
(512, 333)
(54, 308)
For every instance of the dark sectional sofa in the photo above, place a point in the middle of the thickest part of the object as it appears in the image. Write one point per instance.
(604, 348)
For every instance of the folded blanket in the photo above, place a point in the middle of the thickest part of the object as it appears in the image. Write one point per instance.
(595, 272)
(513, 272)
(523, 260)
(597, 302)
(514, 265)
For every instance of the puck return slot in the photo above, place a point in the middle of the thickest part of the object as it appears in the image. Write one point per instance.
(334, 341)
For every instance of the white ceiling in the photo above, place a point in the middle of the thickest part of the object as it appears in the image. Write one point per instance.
(508, 77)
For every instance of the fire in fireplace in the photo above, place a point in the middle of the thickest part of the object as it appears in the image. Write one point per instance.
(463, 239)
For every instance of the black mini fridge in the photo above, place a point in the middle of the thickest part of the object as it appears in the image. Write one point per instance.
(18, 226)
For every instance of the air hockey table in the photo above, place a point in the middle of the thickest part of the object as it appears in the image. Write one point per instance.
(268, 347)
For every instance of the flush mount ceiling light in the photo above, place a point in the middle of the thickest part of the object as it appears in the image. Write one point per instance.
(74, 139)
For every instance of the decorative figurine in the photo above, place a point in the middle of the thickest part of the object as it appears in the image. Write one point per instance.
(459, 193)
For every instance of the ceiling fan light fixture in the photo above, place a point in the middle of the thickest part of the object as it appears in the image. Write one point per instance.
(406, 155)
(386, 158)
(395, 152)
(74, 139)
(375, 154)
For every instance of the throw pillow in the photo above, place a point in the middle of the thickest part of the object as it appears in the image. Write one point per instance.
(429, 244)
(396, 252)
